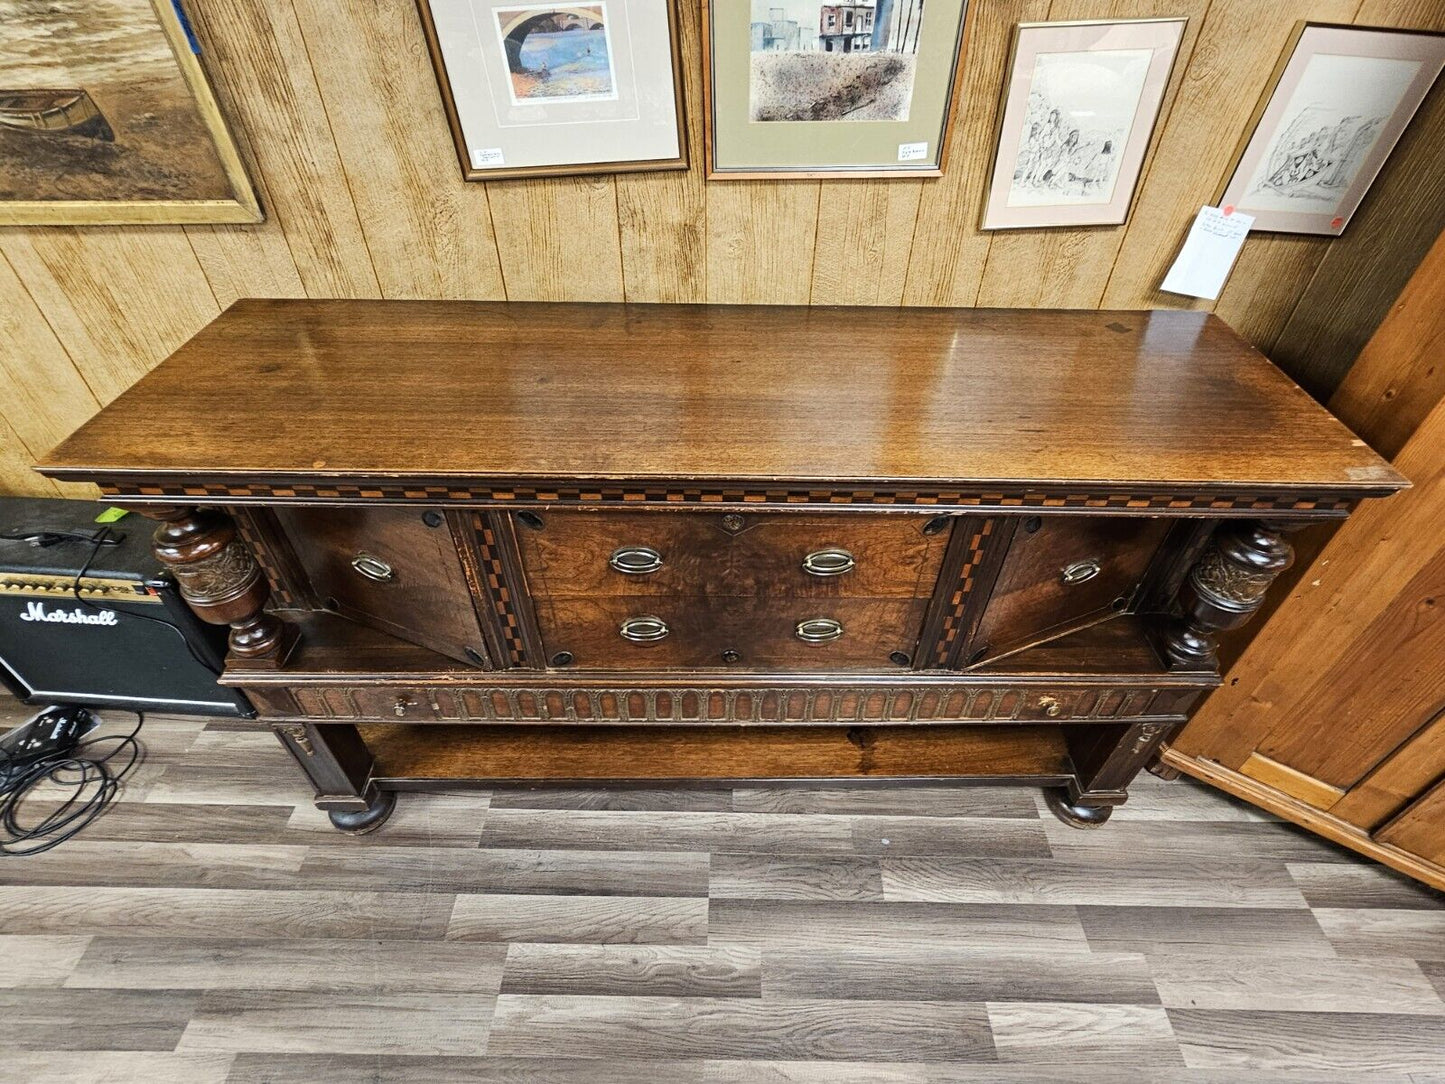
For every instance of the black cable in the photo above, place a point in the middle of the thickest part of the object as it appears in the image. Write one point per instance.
(101, 538)
(92, 780)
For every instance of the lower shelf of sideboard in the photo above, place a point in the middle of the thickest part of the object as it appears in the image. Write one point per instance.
(411, 756)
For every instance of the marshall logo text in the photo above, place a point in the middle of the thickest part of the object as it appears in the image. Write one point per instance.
(36, 611)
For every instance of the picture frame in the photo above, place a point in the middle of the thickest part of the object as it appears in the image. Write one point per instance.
(107, 119)
(1334, 108)
(798, 113)
(549, 90)
(1079, 109)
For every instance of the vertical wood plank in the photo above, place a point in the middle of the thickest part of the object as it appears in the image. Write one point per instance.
(558, 238)
(865, 236)
(1236, 50)
(257, 51)
(760, 239)
(1069, 268)
(662, 217)
(949, 251)
(118, 299)
(42, 395)
(429, 233)
(16, 477)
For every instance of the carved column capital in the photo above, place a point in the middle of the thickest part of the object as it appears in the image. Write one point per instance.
(219, 578)
(1224, 589)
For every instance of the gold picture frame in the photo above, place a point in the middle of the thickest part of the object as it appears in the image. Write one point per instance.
(471, 171)
(55, 113)
(933, 163)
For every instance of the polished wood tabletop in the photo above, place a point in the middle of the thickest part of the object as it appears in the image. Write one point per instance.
(332, 388)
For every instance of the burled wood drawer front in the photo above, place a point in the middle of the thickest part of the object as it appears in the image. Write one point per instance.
(396, 569)
(731, 590)
(1064, 572)
(752, 633)
(740, 555)
(545, 701)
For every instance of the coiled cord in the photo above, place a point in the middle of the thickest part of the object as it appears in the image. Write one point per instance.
(91, 772)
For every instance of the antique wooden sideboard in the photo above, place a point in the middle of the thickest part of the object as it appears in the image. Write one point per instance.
(467, 542)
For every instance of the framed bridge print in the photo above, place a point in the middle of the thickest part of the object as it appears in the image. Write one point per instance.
(538, 89)
(1079, 108)
(812, 88)
(106, 119)
(1338, 103)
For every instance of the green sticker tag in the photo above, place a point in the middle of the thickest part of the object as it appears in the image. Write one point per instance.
(111, 515)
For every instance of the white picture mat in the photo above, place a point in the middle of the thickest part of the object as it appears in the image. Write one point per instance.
(1318, 75)
(1106, 79)
(639, 124)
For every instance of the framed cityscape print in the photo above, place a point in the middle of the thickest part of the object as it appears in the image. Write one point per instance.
(1079, 108)
(1334, 109)
(808, 88)
(106, 119)
(550, 89)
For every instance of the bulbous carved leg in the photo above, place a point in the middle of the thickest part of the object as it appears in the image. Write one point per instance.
(1224, 589)
(220, 580)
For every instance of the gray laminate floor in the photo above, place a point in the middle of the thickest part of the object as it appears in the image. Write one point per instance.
(211, 927)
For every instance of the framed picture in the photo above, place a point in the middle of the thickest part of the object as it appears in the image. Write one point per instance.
(1334, 109)
(1079, 108)
(106, 119)
(542, 90)
(808, 88)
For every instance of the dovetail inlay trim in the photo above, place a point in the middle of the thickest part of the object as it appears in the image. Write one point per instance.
(953, 619)
(728, 495)
(498, 592)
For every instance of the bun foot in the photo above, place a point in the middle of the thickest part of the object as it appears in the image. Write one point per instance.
(360, 822)
(1075, 815)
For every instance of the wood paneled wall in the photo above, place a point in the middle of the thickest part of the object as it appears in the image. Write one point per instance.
(337, 110)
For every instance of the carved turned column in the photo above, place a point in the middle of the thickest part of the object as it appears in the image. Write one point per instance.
(1224, 589)
(220, 579)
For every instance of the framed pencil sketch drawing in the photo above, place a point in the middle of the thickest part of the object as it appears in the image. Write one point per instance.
(1337, 104)
(815, 88)
(106, 119)
(1079, 108)
(546, 89)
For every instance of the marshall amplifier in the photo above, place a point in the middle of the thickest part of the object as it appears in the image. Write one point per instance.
(128, 640)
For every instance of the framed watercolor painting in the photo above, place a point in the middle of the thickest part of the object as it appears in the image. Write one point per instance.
(808, 88)
(106, 119)
(1335, 107)
(1079, 108)
(536, 90)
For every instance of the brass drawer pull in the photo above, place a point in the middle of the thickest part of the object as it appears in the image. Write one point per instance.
(635, 560)
(818, 630)
(644, 630)
(1081, 571)
(829, 562)
(373, 568)
(1052, 708)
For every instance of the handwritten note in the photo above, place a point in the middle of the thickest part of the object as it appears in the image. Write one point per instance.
(483, 157)
(1209, 252)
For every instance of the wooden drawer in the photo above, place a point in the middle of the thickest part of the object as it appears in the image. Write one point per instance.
(747, 633)
(741, 555)
(1069, 571)
(394, 569)
(551, 698)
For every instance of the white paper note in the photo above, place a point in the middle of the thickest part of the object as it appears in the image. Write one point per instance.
(912, 152)
(483, 157)
(1209, 252)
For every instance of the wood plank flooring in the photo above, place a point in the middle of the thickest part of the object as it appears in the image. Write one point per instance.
(212, 927)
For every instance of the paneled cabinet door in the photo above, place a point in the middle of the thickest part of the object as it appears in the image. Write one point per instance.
(396, 569)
